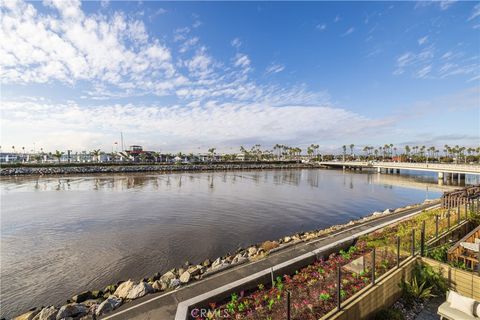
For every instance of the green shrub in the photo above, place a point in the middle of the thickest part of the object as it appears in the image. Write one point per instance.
(439, 253)
(391, 314)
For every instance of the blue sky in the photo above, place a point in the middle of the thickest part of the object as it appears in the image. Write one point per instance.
(188, 76)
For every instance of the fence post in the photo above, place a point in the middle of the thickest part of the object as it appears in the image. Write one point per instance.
(422, 240)
(466, 209)
(458, 213)
(413, 242)
(339, 283)
(288, 304)
(436, 226)
(273, 279)
(398, 252)
(448, 220)
(373, 266)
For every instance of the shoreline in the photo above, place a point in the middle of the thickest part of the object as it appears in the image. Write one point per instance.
(89, 169)
(96, 303)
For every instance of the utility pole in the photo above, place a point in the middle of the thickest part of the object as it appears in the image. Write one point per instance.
(121, 137)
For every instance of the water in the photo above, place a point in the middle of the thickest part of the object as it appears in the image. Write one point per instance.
(64, 235)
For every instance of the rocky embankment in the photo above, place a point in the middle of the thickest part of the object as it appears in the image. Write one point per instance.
(93, 304)
(48, 170)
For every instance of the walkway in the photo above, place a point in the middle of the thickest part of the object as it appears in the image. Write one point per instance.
(429, 311)
(432, 167)
(164, 305)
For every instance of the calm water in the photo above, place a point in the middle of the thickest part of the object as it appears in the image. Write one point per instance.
(63, 235)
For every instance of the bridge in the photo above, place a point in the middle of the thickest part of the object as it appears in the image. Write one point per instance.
(450, 170)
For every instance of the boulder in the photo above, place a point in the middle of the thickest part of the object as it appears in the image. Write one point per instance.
(387, 211)
(108, 305)
(194, 270)
(27, 315)
(251, 251)
(287, 239)
(124, 289)
(48, 313)
(72, 310)
(185, 277)
(269, 245)
(87, 295)
(206, 263)
(217, 263)
(167, 277)
(160, 285)
(174, 283)
(110, 289)
(139, 291)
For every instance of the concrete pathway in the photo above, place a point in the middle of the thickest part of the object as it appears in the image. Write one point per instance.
(429, 311)
(164, 305)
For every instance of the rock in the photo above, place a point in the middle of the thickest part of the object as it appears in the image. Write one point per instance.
(206, 263)
(139, 291)
(110, 289)
(216, 263)
(239, 258)
(124, 289)
(287, 239)
(181, 271)
(387, 211)
(48, 313)
(108, 305)
(195, 270)
(160, 285)
(251, 251)
(87, 295)
(167, 277)
(174, 283)
(376, 213)
(155, 277)
(72, 310)
(92, 302)
(185, 277)
(27, 315)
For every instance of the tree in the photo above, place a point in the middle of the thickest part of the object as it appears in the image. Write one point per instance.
(344, 147)
(211, 152)
(58, 155)
(351, 149)
(96, 154)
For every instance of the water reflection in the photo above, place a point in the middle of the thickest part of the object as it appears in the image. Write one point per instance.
(63, 235)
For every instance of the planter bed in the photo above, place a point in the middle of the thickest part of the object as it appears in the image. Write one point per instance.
(313, 289)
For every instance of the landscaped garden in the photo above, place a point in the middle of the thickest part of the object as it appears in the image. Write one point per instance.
(312, 289)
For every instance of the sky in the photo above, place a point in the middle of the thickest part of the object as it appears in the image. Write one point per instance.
(188, 76)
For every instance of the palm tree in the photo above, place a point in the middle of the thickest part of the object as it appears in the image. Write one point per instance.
(344, 147)
(351, 149)
(212, 152)
(57, 155)
(96, 154)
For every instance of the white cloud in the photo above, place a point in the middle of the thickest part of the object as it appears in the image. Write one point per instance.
(321, 27)
(475, 13)
(424, 64)
(349, 31)
(444, 5)
(71, 46)
(275, 68)
(337, 18)
(422, 40)
(242, 61)
(62, 126)
(423, 72)
(236, 43)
